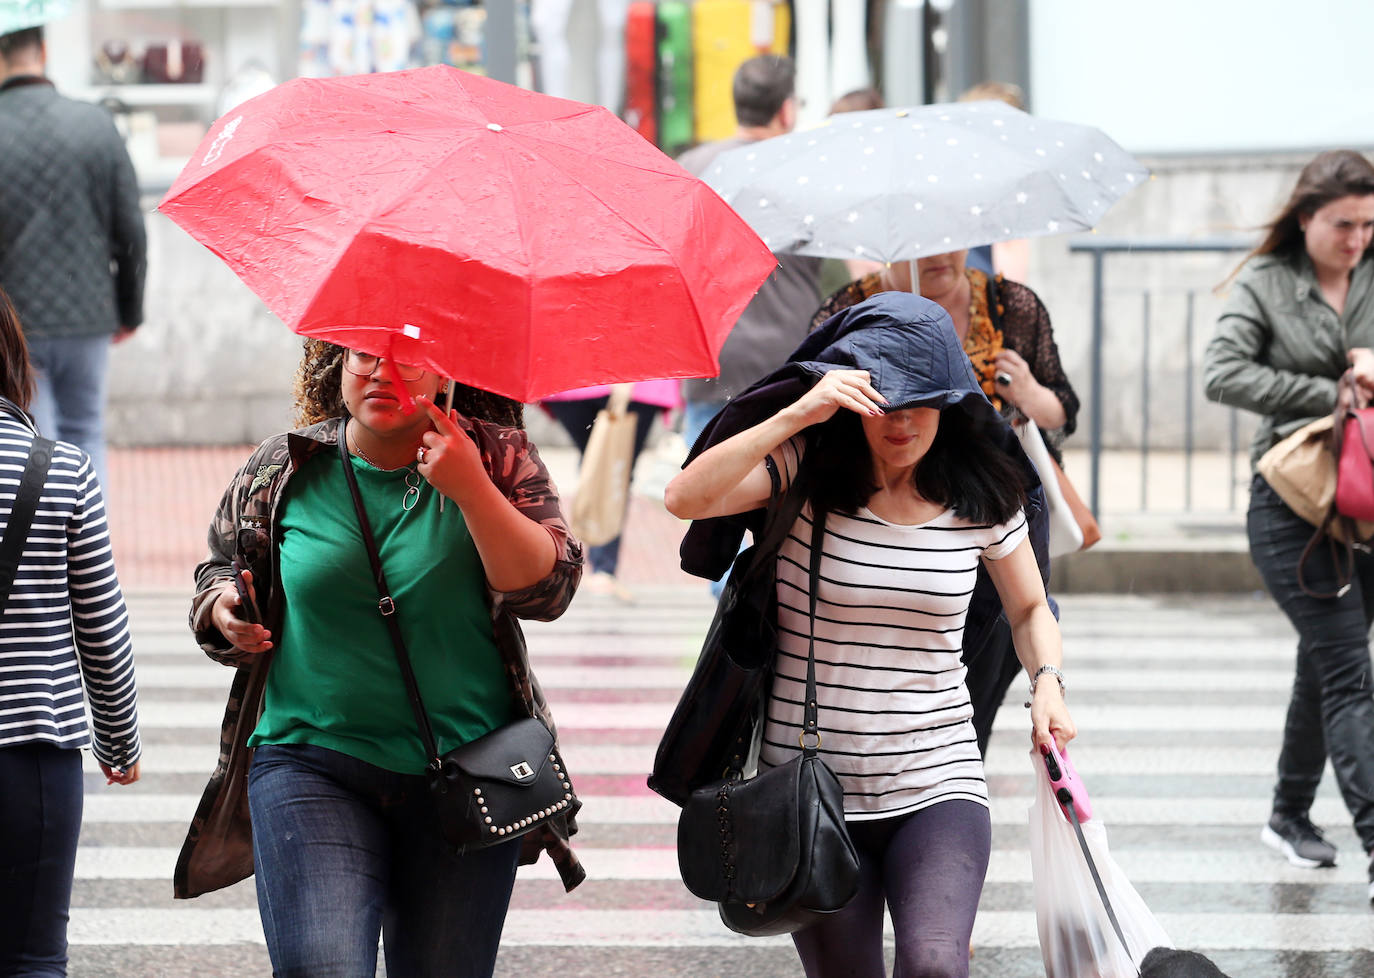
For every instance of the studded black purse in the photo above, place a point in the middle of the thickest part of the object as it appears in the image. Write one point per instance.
(492, 789)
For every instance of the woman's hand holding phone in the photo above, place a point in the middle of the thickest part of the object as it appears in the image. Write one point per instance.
(236, 614)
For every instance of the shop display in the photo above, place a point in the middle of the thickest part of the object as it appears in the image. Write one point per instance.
(115, 63)
(641, 43)
(675, 125)
(726, 33)
(174, 62)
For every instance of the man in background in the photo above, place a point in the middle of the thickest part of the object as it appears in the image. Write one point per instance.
(778, 317)
(73, 250)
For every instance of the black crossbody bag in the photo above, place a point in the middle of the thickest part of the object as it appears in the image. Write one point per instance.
(773, 851)
(501, 785)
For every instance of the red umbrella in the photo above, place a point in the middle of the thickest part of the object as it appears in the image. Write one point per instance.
(516, 242)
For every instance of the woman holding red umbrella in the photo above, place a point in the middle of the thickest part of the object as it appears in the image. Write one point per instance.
(344, 837)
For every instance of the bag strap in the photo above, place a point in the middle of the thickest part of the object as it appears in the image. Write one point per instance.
(1344, 575)
(1347, 389)
(1072, 813)
(993, 314)
(387, 606)
(810, 716)
(21, 516)
(780, 520)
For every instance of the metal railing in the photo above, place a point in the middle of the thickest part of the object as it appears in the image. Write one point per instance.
(1098, 249)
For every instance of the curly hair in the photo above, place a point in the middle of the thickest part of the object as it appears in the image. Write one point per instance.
(319, 391)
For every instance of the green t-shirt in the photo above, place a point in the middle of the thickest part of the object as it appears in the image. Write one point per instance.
(334, 681)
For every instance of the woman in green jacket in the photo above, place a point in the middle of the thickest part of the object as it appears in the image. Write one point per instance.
(1300, 315)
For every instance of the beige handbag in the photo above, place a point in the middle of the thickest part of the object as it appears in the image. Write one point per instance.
(603, 483)
(1302, 470)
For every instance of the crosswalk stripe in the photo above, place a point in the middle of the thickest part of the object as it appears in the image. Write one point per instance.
(702, 928)
(672, 679)
(649, 809)
(646, 863)
(653, 714)
(637, 759)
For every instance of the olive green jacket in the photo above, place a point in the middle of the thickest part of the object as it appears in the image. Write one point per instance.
(1280, 348)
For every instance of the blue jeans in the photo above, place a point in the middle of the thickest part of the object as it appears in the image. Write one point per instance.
(1331, 710)
(695, 416)
(345, 852)
(40, 819)
(69, 399)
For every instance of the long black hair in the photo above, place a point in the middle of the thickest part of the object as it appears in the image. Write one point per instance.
(965, 468)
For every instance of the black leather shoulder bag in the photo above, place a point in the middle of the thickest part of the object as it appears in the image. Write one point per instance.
(501, 785)
(709, 732)
(773, 851)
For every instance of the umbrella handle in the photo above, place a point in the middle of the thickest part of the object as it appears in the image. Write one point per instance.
(448, 410)
(394, 375)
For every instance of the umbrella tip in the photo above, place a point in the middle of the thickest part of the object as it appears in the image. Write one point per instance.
(494, 126)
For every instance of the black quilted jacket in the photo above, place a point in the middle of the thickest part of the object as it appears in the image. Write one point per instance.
(73, 250)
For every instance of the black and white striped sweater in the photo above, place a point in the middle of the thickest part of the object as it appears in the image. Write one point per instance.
(65, 630)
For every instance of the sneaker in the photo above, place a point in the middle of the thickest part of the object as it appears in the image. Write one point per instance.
(1299, 840)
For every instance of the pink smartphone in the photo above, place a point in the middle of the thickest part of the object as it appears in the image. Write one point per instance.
(1068, 787)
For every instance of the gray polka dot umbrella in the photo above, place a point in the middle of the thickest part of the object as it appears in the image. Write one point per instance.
(897, 184)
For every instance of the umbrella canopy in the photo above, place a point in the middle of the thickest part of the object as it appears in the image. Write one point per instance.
(898, 184)
(16, 15)
(516, 242)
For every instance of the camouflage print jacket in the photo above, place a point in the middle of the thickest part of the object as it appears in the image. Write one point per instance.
(218, 850)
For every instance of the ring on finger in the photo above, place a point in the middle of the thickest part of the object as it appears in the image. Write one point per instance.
(421, 454)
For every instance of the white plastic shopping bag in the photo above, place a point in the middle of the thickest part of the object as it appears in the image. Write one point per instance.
(1077, 936)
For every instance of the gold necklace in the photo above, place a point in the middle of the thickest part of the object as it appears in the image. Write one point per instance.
(412, 473)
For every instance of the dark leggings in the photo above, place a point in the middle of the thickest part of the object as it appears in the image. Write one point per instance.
(929, 867)
(40, 819)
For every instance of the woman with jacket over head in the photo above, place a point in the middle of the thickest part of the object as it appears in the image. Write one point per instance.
(1006, 333)
(65, 645)
(344, 838)
(920, 482)
(1300, 314)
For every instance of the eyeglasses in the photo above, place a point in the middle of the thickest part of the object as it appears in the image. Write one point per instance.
(365, 364)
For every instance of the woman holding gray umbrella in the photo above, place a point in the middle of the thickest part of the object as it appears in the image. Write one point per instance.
(1005, 330)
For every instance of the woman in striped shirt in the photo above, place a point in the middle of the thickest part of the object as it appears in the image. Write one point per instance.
(64, 643)
(904, 459)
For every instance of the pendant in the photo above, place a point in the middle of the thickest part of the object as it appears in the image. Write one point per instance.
(412, 495)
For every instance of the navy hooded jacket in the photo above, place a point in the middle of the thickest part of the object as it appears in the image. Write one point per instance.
(914, 358)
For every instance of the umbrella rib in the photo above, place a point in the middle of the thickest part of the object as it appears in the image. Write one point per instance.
(525, 254)
(666, 251)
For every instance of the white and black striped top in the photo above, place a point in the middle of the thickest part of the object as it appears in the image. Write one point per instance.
(895, 716)
(65, 626)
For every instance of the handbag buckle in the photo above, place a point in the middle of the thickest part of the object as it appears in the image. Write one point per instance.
(522, 770)
(387, 606)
